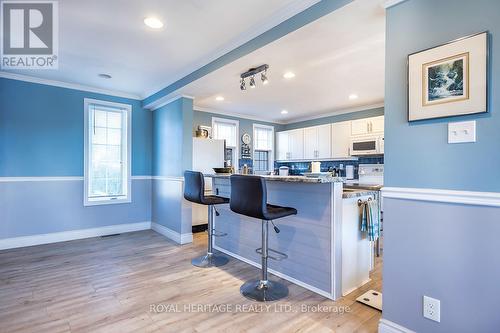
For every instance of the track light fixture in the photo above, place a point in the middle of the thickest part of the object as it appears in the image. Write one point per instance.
(263, 78)
(251, 73)
(252, 82)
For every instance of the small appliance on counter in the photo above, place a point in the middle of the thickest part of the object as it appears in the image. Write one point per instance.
(284, 170)
(315, 167)
(349, 171)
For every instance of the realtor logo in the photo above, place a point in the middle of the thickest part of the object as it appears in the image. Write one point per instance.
(29, 32)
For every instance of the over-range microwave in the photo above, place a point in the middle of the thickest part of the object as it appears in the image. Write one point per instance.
(369, 145)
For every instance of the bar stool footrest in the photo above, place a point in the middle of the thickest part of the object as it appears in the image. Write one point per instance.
(280, 255)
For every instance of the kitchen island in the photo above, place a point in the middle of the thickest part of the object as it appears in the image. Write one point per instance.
(326, 251)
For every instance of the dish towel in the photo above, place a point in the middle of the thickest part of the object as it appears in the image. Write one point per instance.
(370, 219)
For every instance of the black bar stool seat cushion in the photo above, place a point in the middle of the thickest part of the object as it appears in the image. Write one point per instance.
(277, 212)
(249, 198)
(214, 200)
(194, 190)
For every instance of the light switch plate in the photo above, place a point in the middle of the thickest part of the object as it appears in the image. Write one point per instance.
(462, 132)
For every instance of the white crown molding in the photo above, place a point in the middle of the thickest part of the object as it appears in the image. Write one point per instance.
(256, 30)
(165, 100)
(61, 84)
(392, 3)
(55, 237)
(491, 199)
(387, 326)
(173, 235)
(335, 113)
(237, 115)
(56, 179)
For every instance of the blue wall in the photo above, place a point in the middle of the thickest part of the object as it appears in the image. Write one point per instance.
(446, 251)
(335, 119)
(41, 130)
(41, 135)
(172, 138)
(417, 154)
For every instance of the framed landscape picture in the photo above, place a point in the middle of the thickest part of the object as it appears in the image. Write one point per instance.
(449, 80)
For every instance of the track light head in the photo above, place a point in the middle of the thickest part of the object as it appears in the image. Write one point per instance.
(252, 82)
(242, 85)
(263, 78)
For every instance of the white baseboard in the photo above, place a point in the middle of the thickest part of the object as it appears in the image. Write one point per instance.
(173, 235)
(278, 274)
(387, 326)
(55, 237)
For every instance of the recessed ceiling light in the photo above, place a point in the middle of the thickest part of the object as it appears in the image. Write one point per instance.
(153, 22)
(289, 75)
(353, 96)
(284, 112)
(219, 98)
(104, 76)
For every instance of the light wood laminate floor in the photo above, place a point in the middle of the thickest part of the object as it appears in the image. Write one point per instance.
(142, 282)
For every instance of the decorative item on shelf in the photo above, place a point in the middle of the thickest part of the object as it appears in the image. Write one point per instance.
(251, 73)
(449, 80)
(245, 146)
(204, 132)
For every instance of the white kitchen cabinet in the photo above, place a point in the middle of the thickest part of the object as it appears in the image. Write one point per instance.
(317, 142)
(281, 146)
(377, 124)
(366, 126)
(341, 139)
(296, 144)
(290, 145)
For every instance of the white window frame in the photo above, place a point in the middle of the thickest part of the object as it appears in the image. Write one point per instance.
(270, 167)
(237, 139)
(127, 108)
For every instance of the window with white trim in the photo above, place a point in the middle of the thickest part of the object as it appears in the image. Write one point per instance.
(107, 174)
(263, 148)
(227, 129)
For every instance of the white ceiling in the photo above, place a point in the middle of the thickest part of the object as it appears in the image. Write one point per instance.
(109, 36)
(340, 54)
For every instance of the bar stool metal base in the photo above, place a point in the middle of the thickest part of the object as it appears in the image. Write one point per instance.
(264, 291)
(210, 260)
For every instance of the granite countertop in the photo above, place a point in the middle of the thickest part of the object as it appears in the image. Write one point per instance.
(357, 193)
(291, 179)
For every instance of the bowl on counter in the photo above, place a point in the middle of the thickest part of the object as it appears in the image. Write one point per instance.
(223, 170)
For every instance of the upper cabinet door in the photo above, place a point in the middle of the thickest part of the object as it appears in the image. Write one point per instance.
(282, 146)
(341, 139)
(360, 127)
(311, 142)
(324, 146)
(377, 124)
(296, 144)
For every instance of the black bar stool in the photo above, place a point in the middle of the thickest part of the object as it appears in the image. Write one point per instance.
(249, 198)
(194, 191)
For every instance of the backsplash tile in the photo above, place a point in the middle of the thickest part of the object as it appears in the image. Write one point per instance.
(297, 168)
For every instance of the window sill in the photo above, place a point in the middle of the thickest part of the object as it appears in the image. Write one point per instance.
(98, 202)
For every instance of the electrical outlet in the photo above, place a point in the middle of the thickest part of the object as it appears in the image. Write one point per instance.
(432, 308)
